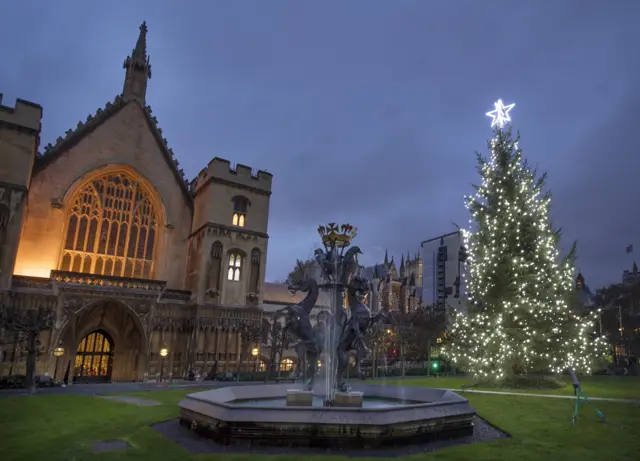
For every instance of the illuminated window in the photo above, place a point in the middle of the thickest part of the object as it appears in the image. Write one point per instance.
(111, 229)
(235, 266)
(286, 365)
(240, 205)
(93, 357)
(620, 350)
(263, 366)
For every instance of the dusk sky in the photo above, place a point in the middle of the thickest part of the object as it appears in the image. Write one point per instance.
(367, 112)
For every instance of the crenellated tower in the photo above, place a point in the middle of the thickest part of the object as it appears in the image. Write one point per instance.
(228, 245)
(19, 141)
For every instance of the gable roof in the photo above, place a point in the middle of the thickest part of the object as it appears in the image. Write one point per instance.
(278, 293)
(73, 137)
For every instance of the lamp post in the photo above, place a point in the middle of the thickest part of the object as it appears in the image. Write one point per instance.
(57, 352)
(254, 352)
(163, 353)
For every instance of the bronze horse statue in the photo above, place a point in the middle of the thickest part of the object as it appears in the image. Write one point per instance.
(355, 329)
(298, 323)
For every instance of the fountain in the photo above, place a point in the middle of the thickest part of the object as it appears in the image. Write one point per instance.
(329, 412)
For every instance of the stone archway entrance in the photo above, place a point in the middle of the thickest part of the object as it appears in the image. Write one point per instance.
(108, 343)
(94, 358)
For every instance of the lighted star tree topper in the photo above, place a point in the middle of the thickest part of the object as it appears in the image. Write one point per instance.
(520, 291)
(500, 115)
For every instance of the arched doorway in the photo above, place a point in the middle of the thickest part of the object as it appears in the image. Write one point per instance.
(94, 358)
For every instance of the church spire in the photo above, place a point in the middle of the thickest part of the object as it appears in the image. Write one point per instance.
(386, 258)
(138, 69)
(402, 266)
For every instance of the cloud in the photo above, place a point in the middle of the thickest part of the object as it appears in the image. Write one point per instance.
(597, 202)
(365, 112)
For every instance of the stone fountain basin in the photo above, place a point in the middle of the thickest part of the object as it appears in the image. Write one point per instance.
(432, 414)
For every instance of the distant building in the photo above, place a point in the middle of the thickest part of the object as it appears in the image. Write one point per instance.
(586, 298)
(443, 282)
(395, 289)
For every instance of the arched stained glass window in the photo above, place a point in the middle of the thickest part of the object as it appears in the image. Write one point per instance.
(111, 229)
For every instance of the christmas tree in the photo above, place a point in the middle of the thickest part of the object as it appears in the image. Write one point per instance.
(520, 316)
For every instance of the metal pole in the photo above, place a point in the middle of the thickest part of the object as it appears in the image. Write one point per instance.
(621, 330)
(55, 370)
(600, 316)
(428, 357)
(620, 319)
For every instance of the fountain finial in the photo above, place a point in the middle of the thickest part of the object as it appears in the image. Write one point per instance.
(337, 235)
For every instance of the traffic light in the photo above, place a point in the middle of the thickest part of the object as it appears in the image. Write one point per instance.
(435, 365)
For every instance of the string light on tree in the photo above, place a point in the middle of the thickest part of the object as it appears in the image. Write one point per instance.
(500, 115)
(520, 318)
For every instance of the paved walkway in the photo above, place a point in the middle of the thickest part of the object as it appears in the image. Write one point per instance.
(98, 389)
(127, 388)
(108, 388)
(550, 396)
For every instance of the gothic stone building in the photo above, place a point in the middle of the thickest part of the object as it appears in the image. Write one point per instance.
(104, 229)
(393, 289)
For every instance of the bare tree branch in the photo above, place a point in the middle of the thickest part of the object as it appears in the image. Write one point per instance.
(30, 323)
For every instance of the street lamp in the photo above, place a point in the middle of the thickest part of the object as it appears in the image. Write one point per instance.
(163, 353)
(254, 352)
(57, 352)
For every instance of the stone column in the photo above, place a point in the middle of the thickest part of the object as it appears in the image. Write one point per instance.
(227, 340)
(205, 349)
(172, 345)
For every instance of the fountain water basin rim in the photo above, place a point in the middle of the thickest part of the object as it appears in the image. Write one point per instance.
(318, 402)
(218, 406)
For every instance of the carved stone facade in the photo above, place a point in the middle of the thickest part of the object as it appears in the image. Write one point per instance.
(104, 227)
(393, 289)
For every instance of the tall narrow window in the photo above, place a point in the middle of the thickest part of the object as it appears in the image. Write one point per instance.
(235, 266)
(240, 205)
(215, 266)
(111, 229)
(254, 279)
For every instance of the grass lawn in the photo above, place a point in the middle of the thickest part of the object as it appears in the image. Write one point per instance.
(62, 427)
(617, 387)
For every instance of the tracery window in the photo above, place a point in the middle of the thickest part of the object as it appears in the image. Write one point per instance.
(235, 266)
(240, 205)
(111, 229)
